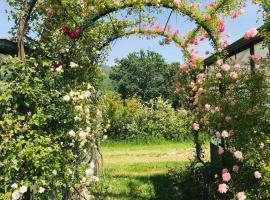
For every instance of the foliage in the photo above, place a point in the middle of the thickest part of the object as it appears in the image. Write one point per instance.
(189, 182)
(266, 28)
(131, 119)
(145, 74)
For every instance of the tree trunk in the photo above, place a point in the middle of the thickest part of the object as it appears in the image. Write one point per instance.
(21, 51)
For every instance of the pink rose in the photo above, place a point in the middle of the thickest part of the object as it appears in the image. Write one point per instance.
(238, 155)
(257, 175)
(225, 170)
(228, 118)
(217, 109)
(223, 188)
(234, 75)
(220, 150)
(218, 75)
(177, 3)
(236, 65)
(256, 58)
(65, 30)
(250, 34)
(182, 66)
(207, 107)
(241, 196)
(225, 68)
(241, 11)
(219, 62)
(222, 26)
(226, 177)
(207, 17)
(196, 126)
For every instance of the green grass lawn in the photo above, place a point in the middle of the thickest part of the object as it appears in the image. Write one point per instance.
(134, 172)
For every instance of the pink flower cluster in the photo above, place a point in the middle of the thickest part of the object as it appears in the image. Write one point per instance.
(241, 196)
(238, 155)
(177, 3)
(237, 13)
(226, 177)
(196, 126)
(222, 25)
(251, 34)
(220, 150)
(257, 175)
(223, 188)
(256, 58)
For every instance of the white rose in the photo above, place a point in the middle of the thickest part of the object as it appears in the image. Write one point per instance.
(225, 134)
(73, 65)
(66, 97)
(82, 134)
(14, 185)
(54, 172)
(87, 94)
(72, 133)
(89, 172)
(92, 165)
(41, 189)
(95, 178)
(16, 195)
(59, 69)
(23, 189)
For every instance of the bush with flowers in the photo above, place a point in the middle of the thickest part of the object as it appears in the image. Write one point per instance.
(232, 104)
(47, 133)
(236, 110)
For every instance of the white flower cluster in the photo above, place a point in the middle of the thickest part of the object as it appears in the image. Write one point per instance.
(87, 179)
(84, 135)
(18, 192)
(74, 65)
(76, 96)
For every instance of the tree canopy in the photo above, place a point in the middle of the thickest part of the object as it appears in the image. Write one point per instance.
(146, 74)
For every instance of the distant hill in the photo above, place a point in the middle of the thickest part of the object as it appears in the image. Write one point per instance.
(106, 69)
(107, 83)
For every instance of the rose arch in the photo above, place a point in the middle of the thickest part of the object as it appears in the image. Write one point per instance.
(89, 27)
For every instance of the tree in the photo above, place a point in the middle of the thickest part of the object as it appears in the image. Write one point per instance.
(145, 74)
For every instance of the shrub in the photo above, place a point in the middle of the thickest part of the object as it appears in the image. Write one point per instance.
(132, 119)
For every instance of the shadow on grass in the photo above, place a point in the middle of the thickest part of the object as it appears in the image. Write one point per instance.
(154, 187)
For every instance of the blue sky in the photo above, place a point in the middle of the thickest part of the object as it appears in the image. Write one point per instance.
(171, 53)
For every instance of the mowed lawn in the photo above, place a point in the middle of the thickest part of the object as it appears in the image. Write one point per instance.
(140, 171)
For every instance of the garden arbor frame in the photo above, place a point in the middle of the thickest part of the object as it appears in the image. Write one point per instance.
(110, 7)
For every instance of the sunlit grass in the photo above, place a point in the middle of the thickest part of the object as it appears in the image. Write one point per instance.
(139, 172)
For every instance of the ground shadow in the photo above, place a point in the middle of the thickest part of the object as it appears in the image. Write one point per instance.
(152, 187)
